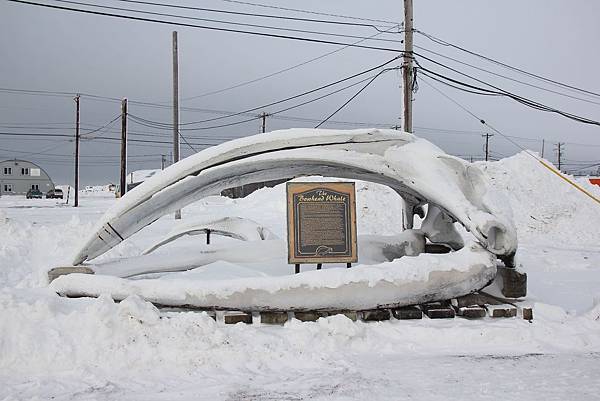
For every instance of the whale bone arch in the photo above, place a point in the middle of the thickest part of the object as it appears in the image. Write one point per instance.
(413, 167)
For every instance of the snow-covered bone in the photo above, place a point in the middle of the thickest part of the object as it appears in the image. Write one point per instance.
(405, 281)
(418, 170)
(439, 228)
(234, 227)
(374, 249)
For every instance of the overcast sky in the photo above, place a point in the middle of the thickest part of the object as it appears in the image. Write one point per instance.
(46, 49)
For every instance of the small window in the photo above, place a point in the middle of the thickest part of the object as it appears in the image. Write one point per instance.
(24, 171)
(7, 170)
(7, 187)
(35, 186)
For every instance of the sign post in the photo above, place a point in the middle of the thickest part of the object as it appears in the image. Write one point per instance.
(321, 219)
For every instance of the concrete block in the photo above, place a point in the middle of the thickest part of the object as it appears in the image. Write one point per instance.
(61, 271)
(273, 317)
(408, 312)
(309, 316)
(375, 315)
(237, 317)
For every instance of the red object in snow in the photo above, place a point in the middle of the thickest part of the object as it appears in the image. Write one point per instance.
(595, 181)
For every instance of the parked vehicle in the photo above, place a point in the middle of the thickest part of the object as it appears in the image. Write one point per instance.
(34, 193)
(54, 194)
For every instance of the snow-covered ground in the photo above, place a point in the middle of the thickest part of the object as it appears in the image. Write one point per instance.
(88, 349)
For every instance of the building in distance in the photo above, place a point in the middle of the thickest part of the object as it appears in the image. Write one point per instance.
(19, 176)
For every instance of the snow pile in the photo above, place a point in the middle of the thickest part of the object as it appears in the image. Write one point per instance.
(545, 207)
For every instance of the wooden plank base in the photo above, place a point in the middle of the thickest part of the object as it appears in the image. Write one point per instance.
(237, 317)
(408, 312)
(471, 312)
(375, 315)
(528, 314)
(309, 316)
(438, 310)
(273, 317)
(502, 310)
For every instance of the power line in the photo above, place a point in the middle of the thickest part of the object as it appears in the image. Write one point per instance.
(158, 123)
(499, 92)
(446, 43)
(214, 92)
(355, 24)
(507, 77)
(310, 12)
(264, 34)
(543, 163)
(223, 21)
(354, 96)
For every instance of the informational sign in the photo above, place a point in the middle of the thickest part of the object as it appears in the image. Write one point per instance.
(321, 222)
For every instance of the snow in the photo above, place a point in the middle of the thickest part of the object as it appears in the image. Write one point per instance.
(87, 349)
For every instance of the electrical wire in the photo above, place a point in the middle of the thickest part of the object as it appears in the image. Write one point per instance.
(162, 124)
(499, 92)
(264, 34)
(339, 35)
(542, 162)
(446, 43)
(310, 12)
(219, 11)
(355, 95)
(245, 83)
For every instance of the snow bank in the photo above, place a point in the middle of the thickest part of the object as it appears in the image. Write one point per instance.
(545, 207)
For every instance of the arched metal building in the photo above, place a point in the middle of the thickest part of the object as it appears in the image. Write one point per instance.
(19, 176)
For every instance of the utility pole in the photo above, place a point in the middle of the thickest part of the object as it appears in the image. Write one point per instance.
(487, 145)
(560, 151)
(176, 108)
(543, 143)
(123, 182)
(162, 161)
(76, 186)
(263, 116)
(407, 66)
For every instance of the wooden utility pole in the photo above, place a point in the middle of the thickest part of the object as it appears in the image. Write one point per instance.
(407, 67)
(487, 145)
(560, 151)
(543, 143)
(176, 108)
(123, 181)
(263, 116)
(76, 186)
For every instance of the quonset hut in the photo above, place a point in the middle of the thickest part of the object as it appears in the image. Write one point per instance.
(19, 176)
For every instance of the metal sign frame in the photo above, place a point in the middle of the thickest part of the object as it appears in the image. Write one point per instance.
(321, 222)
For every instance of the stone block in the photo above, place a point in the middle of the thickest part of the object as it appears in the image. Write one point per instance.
(309, 316)
(514, 282)
(273, 317)
(237, 317)
(407, 312)
(61, 271)
(375, 315)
